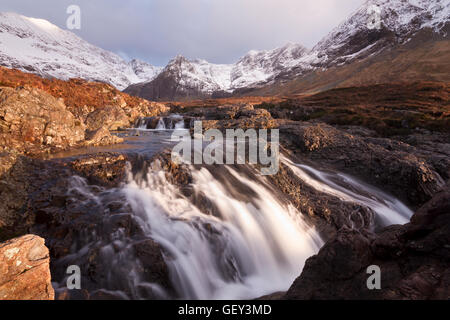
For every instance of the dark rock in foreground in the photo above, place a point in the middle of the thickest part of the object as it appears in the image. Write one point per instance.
(414, 260)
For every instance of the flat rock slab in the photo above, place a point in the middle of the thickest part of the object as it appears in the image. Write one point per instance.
(25, 269)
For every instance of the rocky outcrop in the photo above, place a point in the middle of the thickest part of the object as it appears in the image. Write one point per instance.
(413, 260)
(387, 163)
(238, 116)
(31, 119)
(41, 116)
(83, 97)
(110, 117)
(25, 270)
(106, 169)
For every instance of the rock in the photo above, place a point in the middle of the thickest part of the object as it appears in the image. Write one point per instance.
(154, 268)
(23, 177)
(25, 269)
(238, 116)
(110, 117)
(393, 166)
(413, 260)
(328, 213)
(106, 169)
(33, 121)
(101, 137)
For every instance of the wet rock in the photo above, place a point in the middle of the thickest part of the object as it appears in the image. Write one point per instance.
(24, 270)
(239, 116)
(413, 260)
(154, 268)
(391, 165)
(328, 213)
(23, 177)
(33, 121)
(107, 295)
(106, 169)
(74, 294)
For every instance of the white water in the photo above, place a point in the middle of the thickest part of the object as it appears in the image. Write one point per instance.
(253, 245)
(174, 122)
(249, 250)
(388, 209)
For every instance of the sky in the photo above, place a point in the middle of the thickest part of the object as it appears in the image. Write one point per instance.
(219, 31)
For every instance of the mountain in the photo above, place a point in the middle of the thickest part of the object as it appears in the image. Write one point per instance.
(406, 29)
(400, 21)
(184, 78)
(411, 45)
(144, 70)
(38, 46)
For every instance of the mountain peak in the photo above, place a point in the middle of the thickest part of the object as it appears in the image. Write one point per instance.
(38, 46)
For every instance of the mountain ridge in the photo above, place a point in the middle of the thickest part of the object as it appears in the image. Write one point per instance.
(349, 43)
(38, 46)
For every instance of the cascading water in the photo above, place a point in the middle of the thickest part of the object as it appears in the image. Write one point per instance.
(230, 237)
(388, 209)
(172, 122)
(249, 249)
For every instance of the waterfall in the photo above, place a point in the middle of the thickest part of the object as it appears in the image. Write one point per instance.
(172, 122)
(161, 125)
(248, 249)
(228, 237)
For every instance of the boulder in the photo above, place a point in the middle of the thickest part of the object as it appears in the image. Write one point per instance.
(25, 270)
(101, 137)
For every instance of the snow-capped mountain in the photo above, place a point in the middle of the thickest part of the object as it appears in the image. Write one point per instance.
(144, 70)
(196, 78)
(259, 66)
(352, 40)
(400, 20)
(38, 46)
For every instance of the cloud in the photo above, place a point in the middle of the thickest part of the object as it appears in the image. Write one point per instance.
(219, 31)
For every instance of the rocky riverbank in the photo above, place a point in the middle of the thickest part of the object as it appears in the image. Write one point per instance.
(43, 198)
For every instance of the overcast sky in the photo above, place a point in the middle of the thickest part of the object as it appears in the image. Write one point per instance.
(219, 31)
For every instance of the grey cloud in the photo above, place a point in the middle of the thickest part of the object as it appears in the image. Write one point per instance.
(219, 31)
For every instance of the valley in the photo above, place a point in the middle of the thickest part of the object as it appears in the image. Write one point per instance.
(358, 125)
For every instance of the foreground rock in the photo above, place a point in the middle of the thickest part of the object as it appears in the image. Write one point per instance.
(25, 270)
(413, 259)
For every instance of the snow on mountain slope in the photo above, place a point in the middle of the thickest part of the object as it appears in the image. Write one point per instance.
(194, 78)
(259, 66)
(144, 70)
(400, 19)
(38, 46)
(199, 74)
(351, 40)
